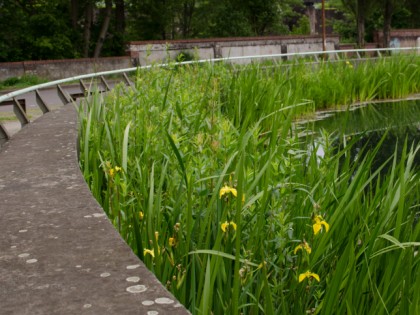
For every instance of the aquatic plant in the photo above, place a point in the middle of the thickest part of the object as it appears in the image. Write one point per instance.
(199, 170)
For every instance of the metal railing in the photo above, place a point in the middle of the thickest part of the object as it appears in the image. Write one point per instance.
(20, 112)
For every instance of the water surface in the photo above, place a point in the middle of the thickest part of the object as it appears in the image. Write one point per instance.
(396, 122)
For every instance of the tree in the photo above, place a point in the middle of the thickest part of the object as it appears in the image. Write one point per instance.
(361, 9)
(225, 18)
(35, 29)
(119, 16)
(104, 28)
(184, 13)
(150, 19)
(42, 29)
(12, 25)
(413, 8)
(87, 27)
(248, 17)
(96, 21)
(389, 8)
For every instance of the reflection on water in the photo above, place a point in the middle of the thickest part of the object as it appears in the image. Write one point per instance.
(400, 117)
(395, 121)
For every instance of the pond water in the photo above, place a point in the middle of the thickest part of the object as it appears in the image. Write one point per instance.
(396, 121)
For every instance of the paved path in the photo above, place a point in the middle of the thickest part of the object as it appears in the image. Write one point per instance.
(59, 254)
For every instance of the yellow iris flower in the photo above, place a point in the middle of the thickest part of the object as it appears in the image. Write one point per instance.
(308, 275)
(319, 223)
(151, 252)
(226, 189)
(303, 246)
(171, 241)
(224, 226)
(112, 171)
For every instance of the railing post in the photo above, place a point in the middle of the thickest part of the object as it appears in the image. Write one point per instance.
(4, 135)
(127, 80)
(107, 88)
(20, 112)
(83, 87)
(283, 50)
(64, 97)
(41, 103)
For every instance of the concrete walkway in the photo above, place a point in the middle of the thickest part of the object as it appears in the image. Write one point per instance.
(59, 254)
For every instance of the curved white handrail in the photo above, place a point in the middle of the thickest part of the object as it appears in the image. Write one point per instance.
(104, 73)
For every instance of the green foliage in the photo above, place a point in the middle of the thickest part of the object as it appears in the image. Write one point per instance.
(413, 6)
(56, 46)
(303, 27)
(228, 19)
(12, 24)
(346, 28)
(21, 82)
(200, 171)
(405, 14)
(38, 29)
(185, 56)
(150, 19)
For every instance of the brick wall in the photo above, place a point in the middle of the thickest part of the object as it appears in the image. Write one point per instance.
(400, 38)
(146, 52)
(59, 69)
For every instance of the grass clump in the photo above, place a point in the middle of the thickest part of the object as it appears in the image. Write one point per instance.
(198, 169)
(21, 82)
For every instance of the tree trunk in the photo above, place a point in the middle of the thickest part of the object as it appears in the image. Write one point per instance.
(388, 10)
(74, 8)
(311, 14)
(104, 29)
(188, 11)
(184, 21)
(360, 24)
(87, 28)
(119, 16)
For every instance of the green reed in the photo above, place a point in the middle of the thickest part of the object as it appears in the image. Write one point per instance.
(199, 170)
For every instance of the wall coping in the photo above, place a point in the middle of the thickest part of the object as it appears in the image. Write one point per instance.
(228, 39)
(49, 61)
